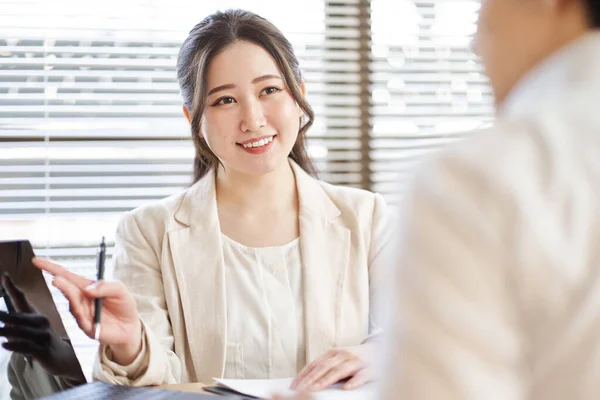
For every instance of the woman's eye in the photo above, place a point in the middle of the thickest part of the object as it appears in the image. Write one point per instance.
(271, 90)
(224, 100)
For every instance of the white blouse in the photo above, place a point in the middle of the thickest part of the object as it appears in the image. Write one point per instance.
(265, 311)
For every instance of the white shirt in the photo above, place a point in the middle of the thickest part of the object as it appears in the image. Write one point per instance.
(265, 312)
(498, 290)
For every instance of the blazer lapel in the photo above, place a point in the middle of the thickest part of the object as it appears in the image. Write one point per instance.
(198, 261)
(325, 247)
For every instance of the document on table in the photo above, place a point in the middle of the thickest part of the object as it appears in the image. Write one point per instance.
(266, 388)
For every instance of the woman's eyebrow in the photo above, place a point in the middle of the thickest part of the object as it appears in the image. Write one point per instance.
(222, 87)
(265, 77)
(232, 86)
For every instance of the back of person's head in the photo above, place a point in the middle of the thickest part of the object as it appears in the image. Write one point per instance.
(205, 41)
(593, 8)
(514, 36)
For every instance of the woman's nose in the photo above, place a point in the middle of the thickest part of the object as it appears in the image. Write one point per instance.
(253, 118)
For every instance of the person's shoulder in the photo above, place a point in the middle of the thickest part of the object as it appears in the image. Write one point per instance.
(355, 202)
(348, 195)
(161, 208)
(505, 169)
(511, 153)
(157, 214)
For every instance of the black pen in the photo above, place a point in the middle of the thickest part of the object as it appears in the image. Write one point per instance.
(98, 302)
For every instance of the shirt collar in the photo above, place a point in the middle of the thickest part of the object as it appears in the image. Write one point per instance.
(575, 63)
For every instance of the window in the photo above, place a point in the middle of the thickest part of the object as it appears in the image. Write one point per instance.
(427, 88)
(90, 111)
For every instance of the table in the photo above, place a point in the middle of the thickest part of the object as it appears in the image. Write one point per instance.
(185, 387)
(100, 390)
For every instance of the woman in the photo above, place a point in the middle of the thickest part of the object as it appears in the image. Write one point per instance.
(258, 268)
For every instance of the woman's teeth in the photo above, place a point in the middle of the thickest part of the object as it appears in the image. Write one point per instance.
(258, 143)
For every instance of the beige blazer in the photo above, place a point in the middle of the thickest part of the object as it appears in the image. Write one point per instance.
(169, 255)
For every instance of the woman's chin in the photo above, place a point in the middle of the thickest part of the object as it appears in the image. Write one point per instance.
(261, 167)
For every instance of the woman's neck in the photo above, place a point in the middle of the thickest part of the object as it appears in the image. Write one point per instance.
(275, 190)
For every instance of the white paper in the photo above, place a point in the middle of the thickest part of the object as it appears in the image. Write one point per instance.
(266, 388)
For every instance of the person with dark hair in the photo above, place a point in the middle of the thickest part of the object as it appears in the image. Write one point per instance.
(258, 270)
(593, 12)
(497, 289)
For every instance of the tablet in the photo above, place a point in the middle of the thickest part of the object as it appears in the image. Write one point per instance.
(15, 260)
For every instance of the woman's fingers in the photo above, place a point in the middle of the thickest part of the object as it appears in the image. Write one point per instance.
(78, 304)
(299, 396)
(334, 366)
(319, 370)
(335, 374)
(16, 296)
(103, 289)
(300, 377)
(58, 270)
(360, 378)
(310, 367)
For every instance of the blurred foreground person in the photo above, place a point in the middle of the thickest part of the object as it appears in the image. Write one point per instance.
(498, 286)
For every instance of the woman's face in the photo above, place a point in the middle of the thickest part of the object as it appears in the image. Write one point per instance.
(251, 121)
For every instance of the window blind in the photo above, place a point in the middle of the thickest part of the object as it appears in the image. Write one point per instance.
(427, 87)
(90, 112)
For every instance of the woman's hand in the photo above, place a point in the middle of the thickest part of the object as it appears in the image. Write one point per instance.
(29, 333)
(349, 363)
(120, 325)
(299, 396)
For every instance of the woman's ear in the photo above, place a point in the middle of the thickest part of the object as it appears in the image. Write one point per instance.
(186, 112)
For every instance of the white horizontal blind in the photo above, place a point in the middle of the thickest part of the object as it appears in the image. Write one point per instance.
(341, 122)
(427, 87)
